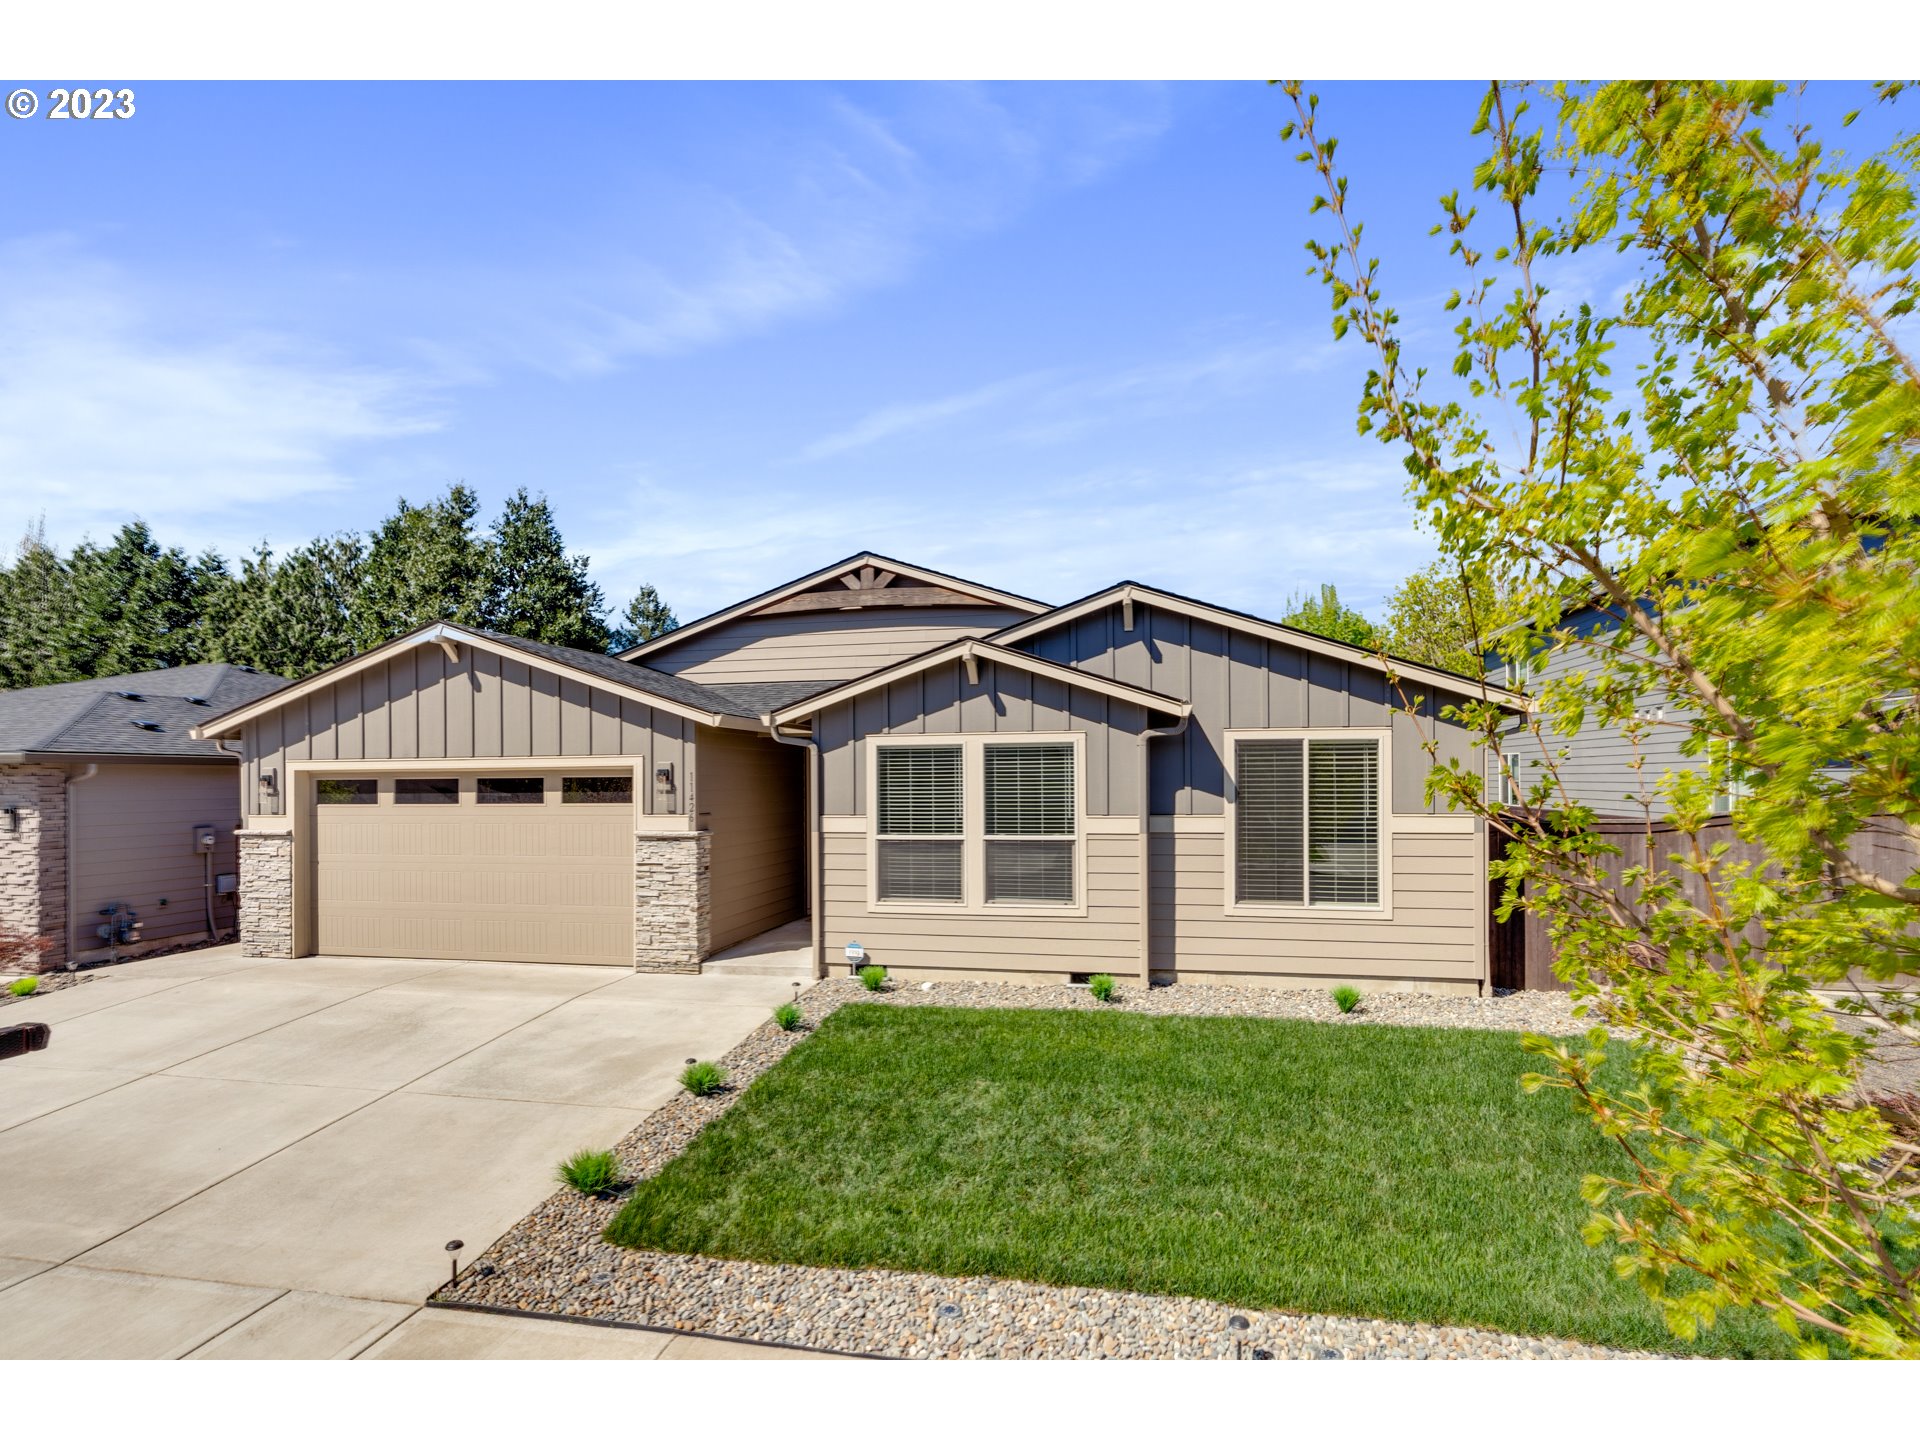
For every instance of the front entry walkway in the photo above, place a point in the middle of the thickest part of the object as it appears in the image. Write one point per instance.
(223, 1156)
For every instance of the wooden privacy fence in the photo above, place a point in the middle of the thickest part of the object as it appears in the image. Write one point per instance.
(1519, 954)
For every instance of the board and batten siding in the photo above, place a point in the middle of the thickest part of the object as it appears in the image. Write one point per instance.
(752, 801)
(1007, 701)
(131, 829)
(1239, 681)
(916, 946)
(419, 705)
(1436, 932)
(823, 644)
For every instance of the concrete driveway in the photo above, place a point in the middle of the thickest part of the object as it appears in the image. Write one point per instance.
(226, 1157)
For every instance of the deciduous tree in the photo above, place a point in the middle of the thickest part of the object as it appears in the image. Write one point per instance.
(1745, 499)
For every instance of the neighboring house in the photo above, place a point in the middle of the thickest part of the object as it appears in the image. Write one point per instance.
(108, 802)
(1606, 767)
(962, 780)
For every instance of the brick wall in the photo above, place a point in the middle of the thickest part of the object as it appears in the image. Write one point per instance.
(266, 893)
(33, 860)
(672, 901)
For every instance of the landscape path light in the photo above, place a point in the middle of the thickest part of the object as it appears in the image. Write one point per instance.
(454, 1247)
(1237, 1324)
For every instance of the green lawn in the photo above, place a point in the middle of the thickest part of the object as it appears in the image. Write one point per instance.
(1365, 1170)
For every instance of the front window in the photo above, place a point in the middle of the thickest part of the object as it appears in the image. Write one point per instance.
(920, 815)
(1307, 821)
(1030, 824)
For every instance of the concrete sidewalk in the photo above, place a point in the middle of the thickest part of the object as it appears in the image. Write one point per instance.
(222, 1156)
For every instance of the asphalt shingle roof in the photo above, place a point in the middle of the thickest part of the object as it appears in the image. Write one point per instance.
(89, 717)
(761, 697)
(711, 698)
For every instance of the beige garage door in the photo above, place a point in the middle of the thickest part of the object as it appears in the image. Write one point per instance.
(519, 865)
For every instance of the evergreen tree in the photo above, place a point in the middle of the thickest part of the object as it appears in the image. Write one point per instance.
(647, 616)
(290, 617)
(37, 615)
(1324, 615)
(534, 588)
(424, 564)
(137, 605)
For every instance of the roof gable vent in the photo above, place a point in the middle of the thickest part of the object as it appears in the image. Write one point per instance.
(144, 725)
(129, 694)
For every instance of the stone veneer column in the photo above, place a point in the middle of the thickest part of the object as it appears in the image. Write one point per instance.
(33, 859)
(266, 893)
(672, 901)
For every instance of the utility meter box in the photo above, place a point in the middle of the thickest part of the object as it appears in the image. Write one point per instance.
(203, 840)
(225, 884)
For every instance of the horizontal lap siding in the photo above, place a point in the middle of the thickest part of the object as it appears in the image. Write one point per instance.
(1247, 682)
(1107, 938)
(421, 706)
(132, 836)
(752, 799)
(1434, 932)
(822, 644)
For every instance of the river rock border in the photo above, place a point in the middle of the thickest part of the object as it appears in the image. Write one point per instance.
(555, 1263)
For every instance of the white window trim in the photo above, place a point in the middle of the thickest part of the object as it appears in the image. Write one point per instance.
(973, 825)
(1383, 738)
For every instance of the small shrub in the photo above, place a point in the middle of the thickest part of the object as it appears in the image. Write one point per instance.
(1100, 987)
(25, 985)
(703, 1077)
(590, 1171)
(787, 1016)
(1347, 998)
(873, 976)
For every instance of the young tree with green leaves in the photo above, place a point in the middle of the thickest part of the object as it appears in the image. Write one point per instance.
(1440, 615)
(1745, 498)
(533, 587)
(1325, 615)
(646, 617)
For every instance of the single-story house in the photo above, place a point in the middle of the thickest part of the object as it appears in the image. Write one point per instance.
(114, 817)
(947, 779)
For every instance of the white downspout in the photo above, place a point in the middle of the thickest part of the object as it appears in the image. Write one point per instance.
(1146, 842)
(73, 914)
(815, 888)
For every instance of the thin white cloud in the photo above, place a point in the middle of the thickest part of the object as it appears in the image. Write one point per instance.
(1047, 407)
(1235, 531)
(107, 412)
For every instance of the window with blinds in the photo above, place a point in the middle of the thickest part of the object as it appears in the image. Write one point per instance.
(1307, 821)
(1029, 795)
(918, 804)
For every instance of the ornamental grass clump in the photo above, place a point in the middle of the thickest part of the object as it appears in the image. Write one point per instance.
(1101, 988)
(25, 985)
(590, 1171)
(703, 1078)
(1347, 998)
(787, 1016)
(873, 976)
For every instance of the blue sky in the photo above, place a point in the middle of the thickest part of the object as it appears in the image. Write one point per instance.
(1044, 336)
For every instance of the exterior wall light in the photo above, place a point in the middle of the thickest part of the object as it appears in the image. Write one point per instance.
(269, 783)
(663, 778)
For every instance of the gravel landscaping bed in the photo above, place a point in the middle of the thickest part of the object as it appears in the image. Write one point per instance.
(554, 1261)
(54, 980)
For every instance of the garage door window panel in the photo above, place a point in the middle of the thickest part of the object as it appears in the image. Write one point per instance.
(442, 791)
(596, 790)
(512, 790)
(347, 792)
